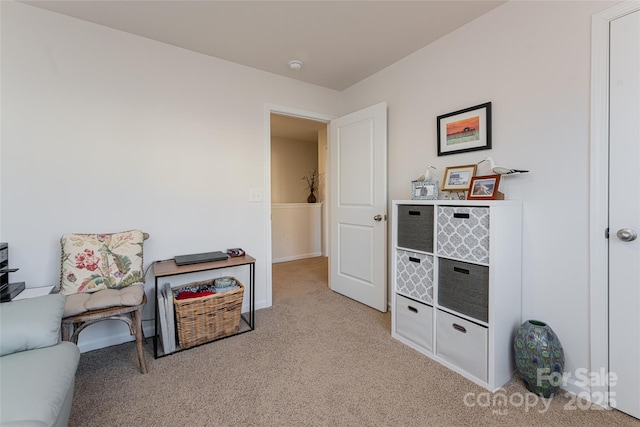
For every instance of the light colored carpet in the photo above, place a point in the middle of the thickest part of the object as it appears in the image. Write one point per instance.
(316, 358)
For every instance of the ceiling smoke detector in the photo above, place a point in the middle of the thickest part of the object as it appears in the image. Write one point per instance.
(295, 65)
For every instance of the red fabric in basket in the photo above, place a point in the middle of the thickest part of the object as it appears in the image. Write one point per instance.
(190, 294)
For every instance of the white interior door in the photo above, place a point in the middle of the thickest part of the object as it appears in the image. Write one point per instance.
(358, 213)
(624, 214)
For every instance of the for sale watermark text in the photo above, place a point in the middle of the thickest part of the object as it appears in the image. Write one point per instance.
(500, 402)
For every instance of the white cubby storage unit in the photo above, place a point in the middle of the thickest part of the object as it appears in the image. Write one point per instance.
(457, 277)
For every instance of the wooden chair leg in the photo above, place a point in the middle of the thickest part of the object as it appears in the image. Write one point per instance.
(68, 329)
(64, 329)
(139, 337)
(132, 316)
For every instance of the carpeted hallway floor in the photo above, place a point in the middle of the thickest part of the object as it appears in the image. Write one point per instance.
(316, 358)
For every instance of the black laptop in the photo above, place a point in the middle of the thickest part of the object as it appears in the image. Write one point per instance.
(198, 258)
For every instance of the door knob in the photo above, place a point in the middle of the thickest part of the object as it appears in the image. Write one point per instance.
(627, 234)
(378, 218)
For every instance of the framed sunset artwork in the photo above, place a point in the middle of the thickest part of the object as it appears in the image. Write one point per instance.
(465, 130)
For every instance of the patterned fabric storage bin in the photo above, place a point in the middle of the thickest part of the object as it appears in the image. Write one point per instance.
(463, 233)
(414, 275)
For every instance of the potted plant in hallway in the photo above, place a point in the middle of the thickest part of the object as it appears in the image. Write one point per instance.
(311, 179)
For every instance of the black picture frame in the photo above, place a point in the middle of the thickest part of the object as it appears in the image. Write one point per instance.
(465, 130)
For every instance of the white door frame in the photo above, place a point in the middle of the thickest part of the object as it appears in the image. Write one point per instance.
(287, 111)
(599, 201)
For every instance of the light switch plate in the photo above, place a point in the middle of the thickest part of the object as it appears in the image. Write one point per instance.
(255, 195)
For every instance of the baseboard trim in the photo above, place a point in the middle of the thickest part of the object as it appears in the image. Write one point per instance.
(584, 391)
(296, 257)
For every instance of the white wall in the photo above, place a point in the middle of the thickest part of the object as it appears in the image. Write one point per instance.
(290, 161)
(296, 229)
(296, 226)
(532, 61)
(105, 131)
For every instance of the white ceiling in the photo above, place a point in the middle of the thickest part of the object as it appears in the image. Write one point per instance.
(339, 42)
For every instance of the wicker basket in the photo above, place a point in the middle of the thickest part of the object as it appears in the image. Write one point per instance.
(205, 319)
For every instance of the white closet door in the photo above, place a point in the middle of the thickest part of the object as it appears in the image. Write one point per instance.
(624, 215)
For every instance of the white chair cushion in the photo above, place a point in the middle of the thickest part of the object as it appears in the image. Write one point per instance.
(93, 262)
(106, 298)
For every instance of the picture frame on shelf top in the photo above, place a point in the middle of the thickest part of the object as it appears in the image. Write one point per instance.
(458, 178)
(424, 190)
(485, 188)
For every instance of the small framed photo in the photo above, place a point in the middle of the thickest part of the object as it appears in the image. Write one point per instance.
(458, 178)
(465, 130)
(485, 188)
(424, 190)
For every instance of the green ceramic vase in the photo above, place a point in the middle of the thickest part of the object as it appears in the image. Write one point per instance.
(539, 357)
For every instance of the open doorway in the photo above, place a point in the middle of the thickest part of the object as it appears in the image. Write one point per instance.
(350, 177)
(298, 159)
(297, 149)
(271, 109)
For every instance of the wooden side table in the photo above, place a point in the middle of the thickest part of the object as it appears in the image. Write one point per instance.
(169, 268)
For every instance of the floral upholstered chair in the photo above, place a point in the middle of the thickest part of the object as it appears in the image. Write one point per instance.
(102, 276)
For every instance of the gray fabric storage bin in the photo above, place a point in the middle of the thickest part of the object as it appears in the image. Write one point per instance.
(464, 287)
(415, 227)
